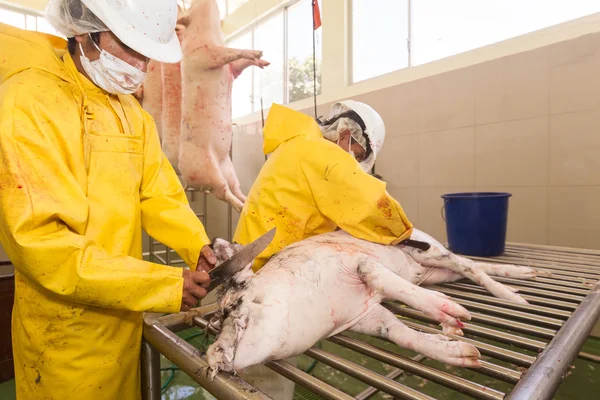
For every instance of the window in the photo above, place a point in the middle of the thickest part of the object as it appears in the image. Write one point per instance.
(285, 38)
(300, 71)
(443, 28)
(268, 82)
(379, 37)
(241, 93)
(389, 35)
(12, 18)
(44, 26)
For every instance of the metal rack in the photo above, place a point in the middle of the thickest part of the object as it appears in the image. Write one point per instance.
(544, 337)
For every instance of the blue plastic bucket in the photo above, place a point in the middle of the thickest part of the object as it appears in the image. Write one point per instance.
(476, 222)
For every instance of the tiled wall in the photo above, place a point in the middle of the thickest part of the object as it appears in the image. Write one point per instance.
(528, 124)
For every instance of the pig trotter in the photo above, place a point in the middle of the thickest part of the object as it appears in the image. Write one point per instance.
(382, 323)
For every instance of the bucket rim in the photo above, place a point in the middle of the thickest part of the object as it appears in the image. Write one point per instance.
(475, 195)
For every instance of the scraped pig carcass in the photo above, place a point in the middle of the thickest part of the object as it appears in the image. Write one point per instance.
(208, 70)
(329, 283)
(171, 100)
(152, 93)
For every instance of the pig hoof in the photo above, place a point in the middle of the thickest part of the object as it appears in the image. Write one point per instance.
(451, 330)
(443, 309)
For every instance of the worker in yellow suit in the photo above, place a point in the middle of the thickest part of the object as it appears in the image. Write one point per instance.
(81, 174)
(316, 180)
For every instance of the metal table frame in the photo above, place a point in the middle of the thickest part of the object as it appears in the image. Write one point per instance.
(563, 310)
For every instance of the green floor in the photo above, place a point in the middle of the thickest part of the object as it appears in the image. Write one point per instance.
(581, 386)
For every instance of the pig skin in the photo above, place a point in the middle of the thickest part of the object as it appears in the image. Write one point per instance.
(171, 101)
(329, 283)
(208, 70)
(152, 94)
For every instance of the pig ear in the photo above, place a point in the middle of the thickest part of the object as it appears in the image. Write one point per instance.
(223, 249)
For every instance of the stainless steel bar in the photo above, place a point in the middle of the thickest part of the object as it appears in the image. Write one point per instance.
(558, 282)
(527, 260)
(514, 314)
(453, 382)
(366, 375)
(589, 357)
(371, 391)
(520, 359)
(534, 284)
(556, 257)
(290, 372)
(343, 365)
(467, 288)
(150, 371)
(561, 249)
(509, 338)
(536, 264)
(547, 311)
(550, 253)
(162, 260)
(308, 381)
(544, 377)
(548, 293)
(532, 330)
(187, 358)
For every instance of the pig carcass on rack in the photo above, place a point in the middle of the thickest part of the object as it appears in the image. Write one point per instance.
(337, 282)
(208, 70)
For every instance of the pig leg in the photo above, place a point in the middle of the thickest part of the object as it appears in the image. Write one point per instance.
(238, 66)
(444, 259)
(214, 57)
(232, 181)
(437, 305)
(508, 270)
(382, 323)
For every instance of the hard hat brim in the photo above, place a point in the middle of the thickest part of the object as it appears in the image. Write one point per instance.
(169, 52)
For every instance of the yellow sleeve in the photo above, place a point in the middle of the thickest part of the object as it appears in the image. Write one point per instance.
(166, 213)
(355, 201)
(43, 216)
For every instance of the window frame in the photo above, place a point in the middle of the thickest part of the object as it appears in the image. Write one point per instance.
(284, 9)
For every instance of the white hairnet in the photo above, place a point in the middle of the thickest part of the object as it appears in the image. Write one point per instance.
(332, 131)
(72, 17)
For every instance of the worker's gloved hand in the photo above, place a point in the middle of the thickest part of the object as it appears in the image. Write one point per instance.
(207, 259)
(194, 284)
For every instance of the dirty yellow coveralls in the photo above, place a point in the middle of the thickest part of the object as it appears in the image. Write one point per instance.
(81, 173)
(309, 186)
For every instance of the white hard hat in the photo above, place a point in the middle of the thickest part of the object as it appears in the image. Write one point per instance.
(375, 128)
(146, 26)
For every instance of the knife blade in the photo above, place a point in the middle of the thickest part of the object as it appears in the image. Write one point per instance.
(239, 260)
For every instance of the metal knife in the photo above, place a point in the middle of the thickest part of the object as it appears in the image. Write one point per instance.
(239, 260)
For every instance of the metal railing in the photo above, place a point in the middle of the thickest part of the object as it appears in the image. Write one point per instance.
(544, 338)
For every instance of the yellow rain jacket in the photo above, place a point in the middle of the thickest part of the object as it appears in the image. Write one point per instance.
(310, 186)
(81, 173)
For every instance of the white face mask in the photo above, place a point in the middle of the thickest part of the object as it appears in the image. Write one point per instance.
(111, 73)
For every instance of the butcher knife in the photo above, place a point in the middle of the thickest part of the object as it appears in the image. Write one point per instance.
(239, 260)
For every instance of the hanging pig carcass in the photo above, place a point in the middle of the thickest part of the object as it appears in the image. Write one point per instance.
(329, 283)
(171, 100)
(152, 94)
(208, 69)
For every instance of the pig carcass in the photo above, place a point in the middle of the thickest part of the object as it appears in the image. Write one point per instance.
(208, 70)
(152, 93)
(171, 100)
(329, 283)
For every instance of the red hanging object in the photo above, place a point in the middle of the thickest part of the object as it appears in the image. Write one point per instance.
(316, 15)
